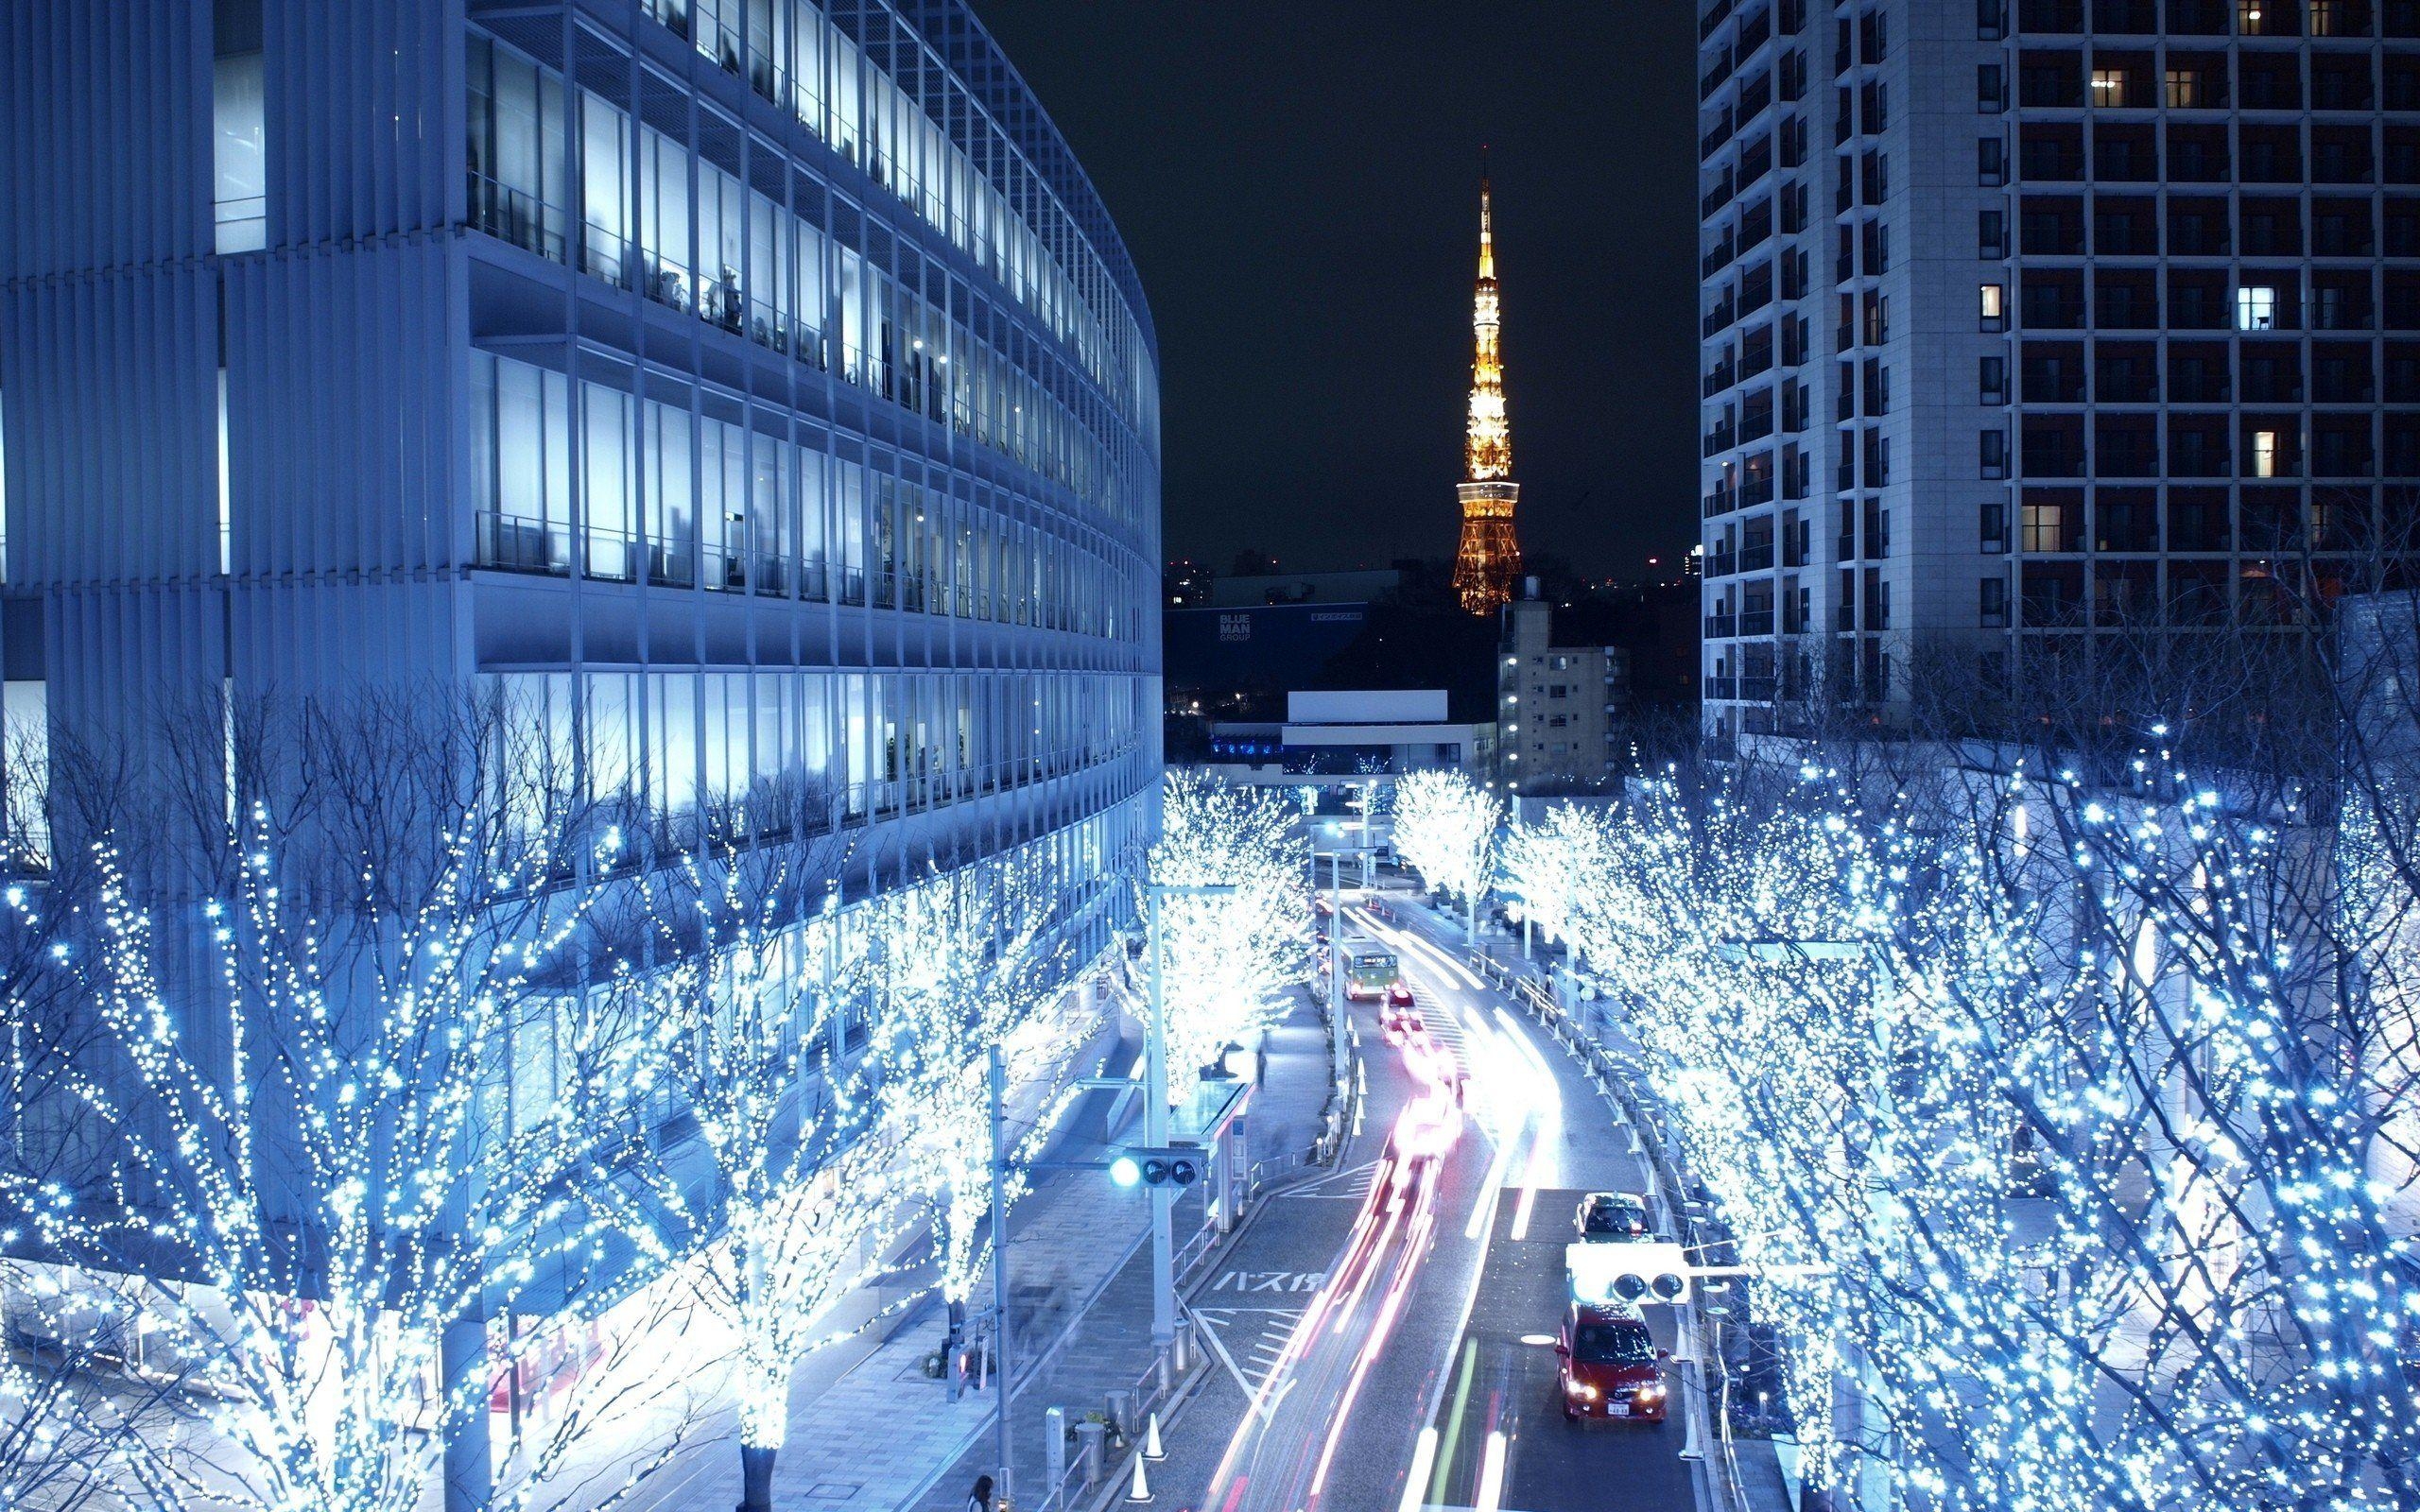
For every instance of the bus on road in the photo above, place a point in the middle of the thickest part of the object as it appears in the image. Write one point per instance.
(1370, 974)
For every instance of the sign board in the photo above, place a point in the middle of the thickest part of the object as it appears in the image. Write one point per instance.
(1380, 706)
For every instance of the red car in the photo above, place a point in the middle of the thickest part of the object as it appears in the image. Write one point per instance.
(1398, 996)
(1610, 1366)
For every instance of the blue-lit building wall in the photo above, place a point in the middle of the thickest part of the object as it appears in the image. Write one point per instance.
(752, 388)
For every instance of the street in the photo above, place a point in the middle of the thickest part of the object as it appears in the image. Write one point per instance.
(1384, 1331)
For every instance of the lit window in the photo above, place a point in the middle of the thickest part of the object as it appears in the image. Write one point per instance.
(2256, 308)
(2323, 17)
(2184, 89)
(2247, 17)
(2264, 454)
(2109, 86)
(1995, 305)
(2042, 523)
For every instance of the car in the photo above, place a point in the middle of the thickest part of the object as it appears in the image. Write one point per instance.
(1612, 1217)
(1608, 1366)
(1398, 996)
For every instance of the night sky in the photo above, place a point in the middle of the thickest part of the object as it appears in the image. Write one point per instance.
(1298, 184)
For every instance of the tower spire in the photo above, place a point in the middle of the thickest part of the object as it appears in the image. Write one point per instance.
(1490, 557)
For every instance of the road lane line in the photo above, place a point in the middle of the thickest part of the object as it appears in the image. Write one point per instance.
(1454, 1421)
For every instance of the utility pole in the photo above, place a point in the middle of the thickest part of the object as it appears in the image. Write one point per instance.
(1156, 1109)
(1000, 1263)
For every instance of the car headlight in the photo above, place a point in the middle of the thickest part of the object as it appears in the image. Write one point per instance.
(1582, 1390)
(1652, 1391)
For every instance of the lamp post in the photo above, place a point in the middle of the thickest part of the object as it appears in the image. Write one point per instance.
(999, 1078)
(1155, 1111)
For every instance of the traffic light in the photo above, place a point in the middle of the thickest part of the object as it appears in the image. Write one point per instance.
(1177, 1165)
(1635, 1273)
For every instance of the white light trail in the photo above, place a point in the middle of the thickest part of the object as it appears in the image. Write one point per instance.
(1423, 1455)
(1491, 1475)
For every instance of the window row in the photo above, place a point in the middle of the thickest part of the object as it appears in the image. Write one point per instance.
(655, 217)
(2192, 299)
(636, 489)
(2351, 445)
(792, 55)
(790, 749)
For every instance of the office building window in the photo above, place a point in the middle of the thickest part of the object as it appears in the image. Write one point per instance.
(2255, 308)
(1995, 454)
(1995, 603)
(2108, 86)
(1991, 161)
(2264, 454)
(1994, 307)
(2184, 89)
(239, 187)
(226, 513)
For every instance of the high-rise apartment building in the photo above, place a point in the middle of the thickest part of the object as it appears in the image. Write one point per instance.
(758, 390)
(2025, 319)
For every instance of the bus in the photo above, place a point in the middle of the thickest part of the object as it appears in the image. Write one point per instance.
(1368, 973)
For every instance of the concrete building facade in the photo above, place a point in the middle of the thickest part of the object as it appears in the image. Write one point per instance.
(2025, 320)
(1560, 707)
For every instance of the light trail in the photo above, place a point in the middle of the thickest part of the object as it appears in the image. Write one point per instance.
(1404, 939)
(1491, 1475)
(1545, 1139)
(1423, 1454)
(1407, 1263)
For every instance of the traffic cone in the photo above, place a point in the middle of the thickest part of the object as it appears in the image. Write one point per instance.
(1151, 1450)
(1141, 1491)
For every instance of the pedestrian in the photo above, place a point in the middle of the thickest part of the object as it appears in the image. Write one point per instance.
(979, 1499)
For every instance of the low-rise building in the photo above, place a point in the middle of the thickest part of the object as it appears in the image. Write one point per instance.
(1559, 708)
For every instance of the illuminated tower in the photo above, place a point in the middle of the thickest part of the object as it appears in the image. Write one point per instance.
(1490, 558)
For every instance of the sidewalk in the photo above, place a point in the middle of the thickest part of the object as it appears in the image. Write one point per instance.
(1109, 1348)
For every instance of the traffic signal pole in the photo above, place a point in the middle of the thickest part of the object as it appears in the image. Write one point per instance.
(1155, 1132)
(1337, 1069)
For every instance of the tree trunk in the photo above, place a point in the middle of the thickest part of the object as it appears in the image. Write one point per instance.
(757, 1478)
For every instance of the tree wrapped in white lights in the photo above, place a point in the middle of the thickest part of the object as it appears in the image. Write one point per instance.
(2063, 1089)
(963, 961)
(775, 1198)
(1550, 864)
(1445, 828)
(1227, 959)
(281, 1142)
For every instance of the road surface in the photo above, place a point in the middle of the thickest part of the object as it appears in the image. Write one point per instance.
(1384, 1334)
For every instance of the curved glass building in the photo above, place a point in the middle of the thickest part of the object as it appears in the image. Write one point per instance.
(753, 389)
